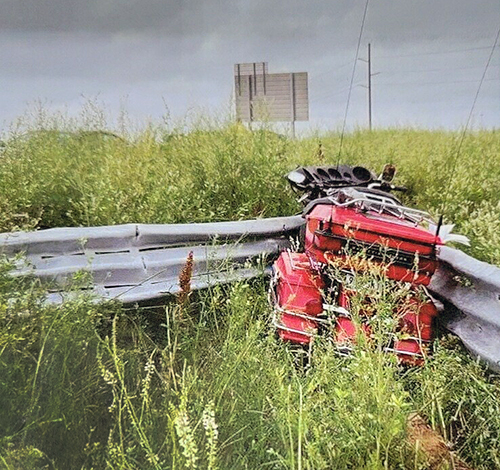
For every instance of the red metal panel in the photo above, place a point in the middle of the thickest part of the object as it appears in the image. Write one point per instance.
(396, 233)
(406, 251)
(298, 292)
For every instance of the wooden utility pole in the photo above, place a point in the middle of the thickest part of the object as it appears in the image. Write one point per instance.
(369, 61)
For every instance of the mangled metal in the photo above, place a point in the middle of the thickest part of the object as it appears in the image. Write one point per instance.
(472, 288)
(354, 224)
(139, 262)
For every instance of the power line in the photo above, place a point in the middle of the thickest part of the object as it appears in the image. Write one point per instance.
(438, 83)
(330, 95)
(320, 74)
(438, 70)
(462, 137)
(352, 80)
(434, 52)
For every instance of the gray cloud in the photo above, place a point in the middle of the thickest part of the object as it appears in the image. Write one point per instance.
(388, 20)
(183, 50)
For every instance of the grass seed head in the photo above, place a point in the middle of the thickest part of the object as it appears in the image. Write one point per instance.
(185, 279)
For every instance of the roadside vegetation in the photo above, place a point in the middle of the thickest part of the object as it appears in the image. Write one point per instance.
(201, 382)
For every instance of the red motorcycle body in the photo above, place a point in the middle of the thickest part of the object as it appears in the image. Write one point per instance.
(334, 234)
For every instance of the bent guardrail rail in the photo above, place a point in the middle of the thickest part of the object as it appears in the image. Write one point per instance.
(473, 288)
(138, 262)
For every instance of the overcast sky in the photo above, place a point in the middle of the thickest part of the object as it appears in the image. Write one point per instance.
(146, 54)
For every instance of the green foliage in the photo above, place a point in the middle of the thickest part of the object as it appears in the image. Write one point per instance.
(205, 384)
(56, 172)
(50, 389)
(461, 401)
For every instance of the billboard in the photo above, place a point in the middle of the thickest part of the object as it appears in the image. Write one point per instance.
(261, 96)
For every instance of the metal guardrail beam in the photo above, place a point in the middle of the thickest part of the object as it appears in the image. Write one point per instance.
(138, 262)
(473, 288)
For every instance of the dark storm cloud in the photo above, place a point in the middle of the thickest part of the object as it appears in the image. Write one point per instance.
(167, 17)
(388, 20)
(417, 20)
(183, 51)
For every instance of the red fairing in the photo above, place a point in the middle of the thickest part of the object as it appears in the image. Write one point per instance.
(401, 250)
(416, 317)
(373, 227)
(347, 332)
(299, 297)
(409, 351)
(407, 251)
(415, 329)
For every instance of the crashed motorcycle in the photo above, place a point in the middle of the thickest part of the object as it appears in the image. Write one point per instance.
(354, 226)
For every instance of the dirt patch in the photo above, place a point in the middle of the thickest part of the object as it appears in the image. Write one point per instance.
(432, 446)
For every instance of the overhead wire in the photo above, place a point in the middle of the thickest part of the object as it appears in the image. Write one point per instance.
(329, 71)
(331, 95)
(469, 118)
(396, 72)
(446, 82)
(419, 54)
(446, 69)
(352, 81)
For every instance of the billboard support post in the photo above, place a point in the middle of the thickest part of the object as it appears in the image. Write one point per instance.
(292, 102)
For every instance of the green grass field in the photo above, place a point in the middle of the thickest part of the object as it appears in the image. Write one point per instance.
(204, 384)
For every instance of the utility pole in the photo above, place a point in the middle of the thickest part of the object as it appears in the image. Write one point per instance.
(369, 86)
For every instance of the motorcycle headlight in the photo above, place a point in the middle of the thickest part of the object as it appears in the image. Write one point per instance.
(296, 177)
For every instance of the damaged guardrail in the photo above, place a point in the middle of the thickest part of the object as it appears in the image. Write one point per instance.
(472, 287)
(138, 262)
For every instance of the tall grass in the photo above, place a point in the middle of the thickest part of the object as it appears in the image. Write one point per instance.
(101, 386)
(57, 173)
(203, 383)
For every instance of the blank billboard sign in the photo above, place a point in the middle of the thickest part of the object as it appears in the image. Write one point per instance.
(261, 96)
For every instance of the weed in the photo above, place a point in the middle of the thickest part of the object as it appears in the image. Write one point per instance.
(86, 385)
